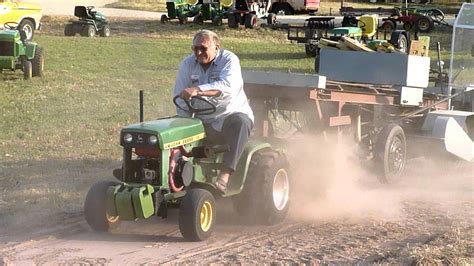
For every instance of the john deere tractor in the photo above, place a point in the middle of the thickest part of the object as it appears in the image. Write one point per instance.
(16, 52)
(90, 23)
(170, 163)
(181, 10)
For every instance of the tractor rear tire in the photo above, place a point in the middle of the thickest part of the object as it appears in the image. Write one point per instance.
(266, 192)
(250, 21)
(164, 19)
(197, 215)
(105, 32)
(388, 26)
(390, 153)
(88, 31)
(217, 21)
(233, 20)
(182, 19)
(95, 207)
(38, 62)
(69, 30)
(424, 24)
(198, 20)
(27, 70)
(282, 9)
(271, 19)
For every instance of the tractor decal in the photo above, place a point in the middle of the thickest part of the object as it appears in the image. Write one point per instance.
(181, 142)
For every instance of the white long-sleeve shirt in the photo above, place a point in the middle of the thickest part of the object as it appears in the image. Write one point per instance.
(224, 74)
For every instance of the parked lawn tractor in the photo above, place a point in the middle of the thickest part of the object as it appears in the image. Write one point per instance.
(214, 11)
(16, 52)
(247, 12)
(419, 19)
(90, 23)
(181, 10)
(170, 163)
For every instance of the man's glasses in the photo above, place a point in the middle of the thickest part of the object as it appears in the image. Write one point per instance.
(202, 49)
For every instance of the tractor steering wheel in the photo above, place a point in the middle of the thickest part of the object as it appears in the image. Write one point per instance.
(11, 25)
(192, 110)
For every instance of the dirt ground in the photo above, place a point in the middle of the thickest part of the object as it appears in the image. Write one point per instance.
(339, 214)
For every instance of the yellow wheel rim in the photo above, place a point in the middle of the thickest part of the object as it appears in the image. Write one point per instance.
(227, 3)
(111, 219)
(206, 216)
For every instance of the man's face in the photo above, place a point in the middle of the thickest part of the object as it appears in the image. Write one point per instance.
(205, 49)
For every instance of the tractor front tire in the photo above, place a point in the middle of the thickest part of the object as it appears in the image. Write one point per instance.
(38, 62)
(105, 32)
(233, 20)
(311, 49)
(390, 153)
(250, 21)
(197, 215)
(266, 192)
(69, 30)
(388, 26)
(164, 19)
(271, 19)
(88, 31)
(217, 21)
(198, 20)
(95, 207)
(27, 70)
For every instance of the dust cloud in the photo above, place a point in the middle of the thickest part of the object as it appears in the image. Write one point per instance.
(330, 182)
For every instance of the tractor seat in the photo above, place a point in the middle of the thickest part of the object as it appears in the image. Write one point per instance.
(368, 24)
(84, 12)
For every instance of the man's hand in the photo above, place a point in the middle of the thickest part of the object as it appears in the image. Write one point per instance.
(188, 93)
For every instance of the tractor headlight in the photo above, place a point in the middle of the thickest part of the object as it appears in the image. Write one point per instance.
(127, 138)
(152, 140)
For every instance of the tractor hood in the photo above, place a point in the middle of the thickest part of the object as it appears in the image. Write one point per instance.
(9, 35)
(171, 132)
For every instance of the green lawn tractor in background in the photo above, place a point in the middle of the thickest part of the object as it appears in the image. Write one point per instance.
(16, 52)
(214, 11)
(171, 163)
(181, 10)
(90, 23)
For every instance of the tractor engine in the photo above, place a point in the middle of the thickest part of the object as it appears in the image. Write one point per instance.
(158, 152)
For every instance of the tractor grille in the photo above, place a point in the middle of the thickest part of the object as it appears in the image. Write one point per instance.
(6, 48)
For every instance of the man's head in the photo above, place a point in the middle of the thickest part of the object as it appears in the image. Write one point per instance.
(206, 44)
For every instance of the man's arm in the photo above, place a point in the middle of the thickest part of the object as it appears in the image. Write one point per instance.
(229, 81)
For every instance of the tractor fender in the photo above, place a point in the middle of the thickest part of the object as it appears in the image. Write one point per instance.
(236, 182)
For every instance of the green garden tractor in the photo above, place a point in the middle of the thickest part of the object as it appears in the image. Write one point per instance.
(90, 23)
(170, 163)
(16, 52)
(214, 11)
(181, 10)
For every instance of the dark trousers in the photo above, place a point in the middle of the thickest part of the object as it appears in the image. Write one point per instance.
(235, 134)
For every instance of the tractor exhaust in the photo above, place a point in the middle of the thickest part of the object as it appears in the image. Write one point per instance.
(141, 105)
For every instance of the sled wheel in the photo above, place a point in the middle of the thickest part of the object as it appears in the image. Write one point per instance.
(266, 192)
(250, 21)
(95, 207)
(233, 21)
(105, 32)
(38, 62)
(197, 215)
(27, 70)
(88, 31)
(28, 27)
(424, 24)
(390, 153)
